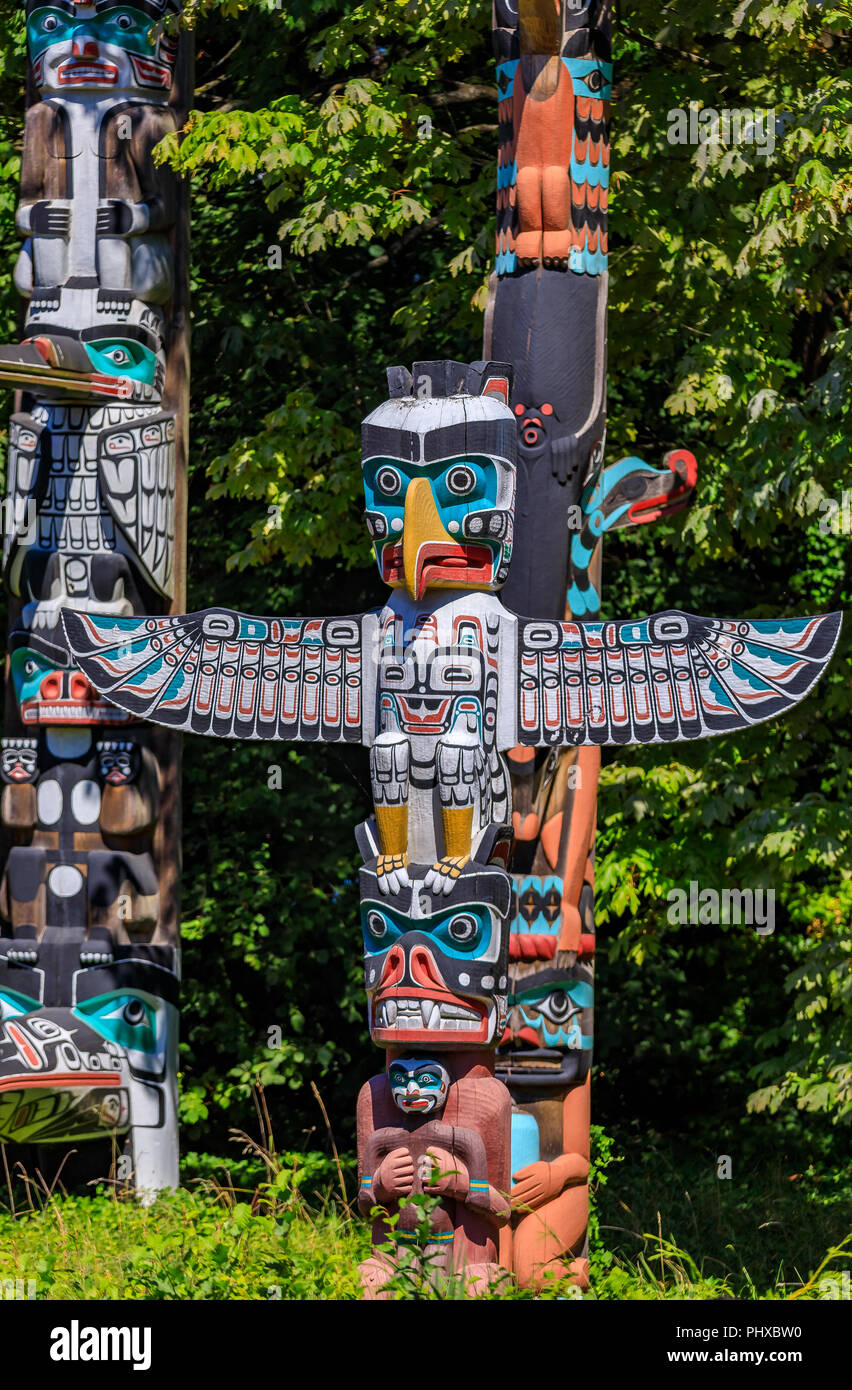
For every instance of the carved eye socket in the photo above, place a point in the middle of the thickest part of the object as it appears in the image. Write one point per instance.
(388, 481)
(124, 21)
(377, 925)
(30, 668)
(133, 1012)
(463, 928)
(595, 79)
(49, 23)
(557, 1006)
(461, 480)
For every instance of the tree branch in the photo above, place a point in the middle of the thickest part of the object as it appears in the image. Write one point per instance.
(463, 91)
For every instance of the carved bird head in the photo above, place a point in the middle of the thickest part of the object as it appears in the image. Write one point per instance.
(438, 462)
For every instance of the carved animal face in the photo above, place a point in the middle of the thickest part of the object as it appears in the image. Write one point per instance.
(101, 46)
(439, 484)
(426, 687)
(48, 694)
(419, 1085)
(436, 968)
(81, 1072)
(537, 425)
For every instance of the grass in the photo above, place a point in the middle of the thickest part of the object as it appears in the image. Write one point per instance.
(288, 1233)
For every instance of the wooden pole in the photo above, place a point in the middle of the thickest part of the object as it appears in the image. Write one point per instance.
(547, 316)
(95, 522)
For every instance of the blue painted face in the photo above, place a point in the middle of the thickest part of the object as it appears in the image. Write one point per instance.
(50, 694)
(459, 933)
(76, 47)
(436, 979)
(419, 1086)
(123, 27)
(460, 487)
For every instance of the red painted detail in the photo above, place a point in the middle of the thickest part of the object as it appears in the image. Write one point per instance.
(52, 1081)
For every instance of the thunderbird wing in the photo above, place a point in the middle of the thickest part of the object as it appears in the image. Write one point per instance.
(664, 679)
(230, 675)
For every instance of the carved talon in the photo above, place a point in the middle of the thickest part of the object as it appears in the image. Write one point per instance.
(392, 873)
(443, 875)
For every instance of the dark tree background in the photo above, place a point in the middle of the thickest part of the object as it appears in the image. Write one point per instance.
(342, 160)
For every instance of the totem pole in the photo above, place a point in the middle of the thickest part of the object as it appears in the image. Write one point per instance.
(94, 523)
(439, 683)
(547, 316)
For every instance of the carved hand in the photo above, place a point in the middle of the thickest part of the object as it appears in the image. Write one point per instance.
(450, 1176)
(394, 1177)
(541, 1182)
(564, 457)
(119, 217)
(47, 218)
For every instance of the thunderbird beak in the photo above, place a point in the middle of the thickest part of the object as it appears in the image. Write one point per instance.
(423, 536)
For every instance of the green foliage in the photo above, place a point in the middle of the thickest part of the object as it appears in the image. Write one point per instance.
(358, 141)
(288, 1235)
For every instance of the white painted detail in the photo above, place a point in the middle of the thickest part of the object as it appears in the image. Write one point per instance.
(86, 802)
(65, 881)
(49, 801)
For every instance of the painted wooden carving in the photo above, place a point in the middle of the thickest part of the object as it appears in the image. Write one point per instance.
(440, 683)
(89, 949)
(547, 314)
(439, 1127)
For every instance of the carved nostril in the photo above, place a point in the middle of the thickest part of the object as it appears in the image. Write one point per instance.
(79, 688)
(85, 48)
(424, 971)
(394, 966)
(50, 687)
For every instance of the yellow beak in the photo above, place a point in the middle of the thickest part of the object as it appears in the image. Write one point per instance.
(421, 525)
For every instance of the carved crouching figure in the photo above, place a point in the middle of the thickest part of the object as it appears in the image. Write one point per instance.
(462, 1159)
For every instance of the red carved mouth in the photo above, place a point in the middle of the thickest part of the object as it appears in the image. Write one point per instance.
(440, 562)
(431, 722)
(80, 71)
(406, 1014)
